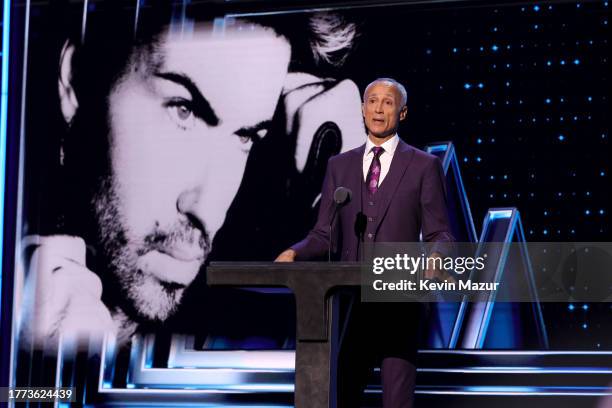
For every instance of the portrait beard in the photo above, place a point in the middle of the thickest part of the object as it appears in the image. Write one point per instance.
(141, 296)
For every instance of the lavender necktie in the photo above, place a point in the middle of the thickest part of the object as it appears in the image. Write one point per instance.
(374, 172)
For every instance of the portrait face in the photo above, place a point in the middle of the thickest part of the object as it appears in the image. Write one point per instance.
(182, 119)
(382, 109)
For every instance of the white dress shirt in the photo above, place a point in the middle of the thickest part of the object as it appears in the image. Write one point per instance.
(385, 157)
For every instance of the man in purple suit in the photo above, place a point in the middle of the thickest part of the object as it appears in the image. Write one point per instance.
(398, 193)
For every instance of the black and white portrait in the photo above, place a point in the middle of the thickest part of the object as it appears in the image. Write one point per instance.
(172, 136)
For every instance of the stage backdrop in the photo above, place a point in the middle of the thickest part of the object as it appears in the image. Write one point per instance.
(159, 138)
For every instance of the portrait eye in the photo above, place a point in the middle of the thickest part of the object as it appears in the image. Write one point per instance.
(180, 112)
(183, 112)
(251, 135)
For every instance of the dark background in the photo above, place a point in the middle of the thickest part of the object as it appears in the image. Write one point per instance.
(523, 92)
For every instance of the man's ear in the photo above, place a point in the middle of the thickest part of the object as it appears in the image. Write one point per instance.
(68, 99)
(363, 110)
(403, 112)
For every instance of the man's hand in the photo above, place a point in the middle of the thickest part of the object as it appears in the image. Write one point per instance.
(287, 255)
(61, 296)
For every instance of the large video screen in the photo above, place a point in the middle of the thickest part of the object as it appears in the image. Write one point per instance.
(160, 137)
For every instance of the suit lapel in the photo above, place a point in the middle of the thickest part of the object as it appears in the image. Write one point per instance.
(401, 159)
(356, 177)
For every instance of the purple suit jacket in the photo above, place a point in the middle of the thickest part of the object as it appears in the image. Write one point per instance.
(412, 199)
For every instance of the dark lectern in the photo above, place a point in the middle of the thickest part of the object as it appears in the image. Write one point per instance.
(311, 283)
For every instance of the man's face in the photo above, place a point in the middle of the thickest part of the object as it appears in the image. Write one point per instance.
(182, 120)
(382, 109)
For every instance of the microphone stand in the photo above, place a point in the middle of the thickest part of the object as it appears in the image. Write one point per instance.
(360, 227)
(331, 228)
(342, 196)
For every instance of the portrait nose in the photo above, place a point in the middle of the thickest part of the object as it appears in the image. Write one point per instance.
(188, 203)
(379, 107)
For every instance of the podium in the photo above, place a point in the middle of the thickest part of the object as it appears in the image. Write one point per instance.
(311, 283)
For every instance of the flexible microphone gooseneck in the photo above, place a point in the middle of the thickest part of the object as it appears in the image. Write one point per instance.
(342, 196)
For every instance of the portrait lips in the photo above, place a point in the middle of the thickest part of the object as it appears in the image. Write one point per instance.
(174, 258)
(169, 269)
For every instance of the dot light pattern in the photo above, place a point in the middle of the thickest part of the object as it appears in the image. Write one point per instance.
(523, 92)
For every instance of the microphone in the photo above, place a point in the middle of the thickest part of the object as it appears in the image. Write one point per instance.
(342, 196)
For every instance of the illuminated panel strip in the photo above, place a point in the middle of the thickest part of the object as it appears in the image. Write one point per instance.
(335, 8)
(513, 215)
(84, 20)
(515, 230)
(3, 123)
(448, 154)
(18, 276)
(186, 386)
(501, 390)
(518, 352)
(497, 214)
(181, 355)
(519, 370)
(136, 16)
(473, 318)
(142, 375)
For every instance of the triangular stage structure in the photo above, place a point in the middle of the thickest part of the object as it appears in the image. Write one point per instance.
(490, 324)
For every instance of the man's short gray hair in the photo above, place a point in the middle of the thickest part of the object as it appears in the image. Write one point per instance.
(400, 88)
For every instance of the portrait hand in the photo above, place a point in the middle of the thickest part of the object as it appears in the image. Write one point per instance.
(287, 255)
(311, 101)
(61, 296)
